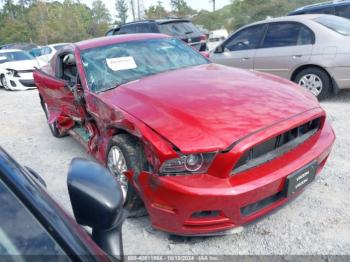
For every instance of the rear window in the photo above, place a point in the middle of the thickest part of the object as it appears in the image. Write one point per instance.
(338, 24)
(179, 29)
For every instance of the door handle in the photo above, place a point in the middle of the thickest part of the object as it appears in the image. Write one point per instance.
(245, 58)
(297, 56)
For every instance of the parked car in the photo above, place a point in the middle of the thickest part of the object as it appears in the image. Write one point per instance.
(181, 28)
(339, 8)
(47, 52)
(21, 46)
(36, 51)
(16, 69)
(311, 50)
(216, 37)
(33, 224)
(204, 147)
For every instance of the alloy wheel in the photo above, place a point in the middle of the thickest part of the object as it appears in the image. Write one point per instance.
(3, 82)
(117, 165)
(313, 83)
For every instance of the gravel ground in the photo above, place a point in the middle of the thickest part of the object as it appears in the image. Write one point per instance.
(317, 222)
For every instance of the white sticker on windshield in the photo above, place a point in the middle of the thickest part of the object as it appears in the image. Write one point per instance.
(121, 63)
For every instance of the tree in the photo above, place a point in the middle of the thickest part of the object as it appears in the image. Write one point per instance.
(122, 10)
(100, 18)
(156, 11)
(100, 13)
(132, 5)
(181, 8)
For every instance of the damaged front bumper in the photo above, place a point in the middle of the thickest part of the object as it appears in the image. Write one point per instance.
(202, 204)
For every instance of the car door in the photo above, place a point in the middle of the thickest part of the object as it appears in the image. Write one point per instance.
(286, 46)
(239, 49)
(56, 91)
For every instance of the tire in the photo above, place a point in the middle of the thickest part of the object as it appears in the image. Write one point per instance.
(320, 86)
(3, 82)
(134, 161)
(53, 127)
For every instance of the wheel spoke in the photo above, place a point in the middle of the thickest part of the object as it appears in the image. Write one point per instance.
(117, 165)
(312, 82)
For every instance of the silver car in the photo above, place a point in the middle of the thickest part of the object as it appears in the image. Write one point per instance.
(311, 50)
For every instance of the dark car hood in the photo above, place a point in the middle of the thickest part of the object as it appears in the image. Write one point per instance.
(211, 106)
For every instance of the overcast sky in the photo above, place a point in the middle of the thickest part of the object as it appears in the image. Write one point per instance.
(195, 4)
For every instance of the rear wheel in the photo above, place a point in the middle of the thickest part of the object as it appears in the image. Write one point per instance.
(53, 126)
(125, 154)
(316, 80)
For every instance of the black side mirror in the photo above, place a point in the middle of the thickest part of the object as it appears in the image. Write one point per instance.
(97, 202)
(219, 49)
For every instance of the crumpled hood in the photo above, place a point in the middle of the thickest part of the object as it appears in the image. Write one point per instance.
(21, 65)
(209, 107)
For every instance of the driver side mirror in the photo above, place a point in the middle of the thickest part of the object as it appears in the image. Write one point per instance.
(97, 202)
(219, 49)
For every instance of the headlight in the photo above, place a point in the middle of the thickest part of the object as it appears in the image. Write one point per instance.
(187, 164)
(12, 72)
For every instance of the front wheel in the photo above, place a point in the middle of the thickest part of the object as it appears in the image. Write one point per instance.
(125, 154)
(53, 126)
(316, 80)
(4, 82)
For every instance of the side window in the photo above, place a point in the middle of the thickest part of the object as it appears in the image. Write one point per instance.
(281, 35)
(47, 51)
(343, 11)
(246, 39)
(110, 32)
(306, 36)
(20, 233)
(67, 68)
(146, 28)
(128, 29)
(326, 10)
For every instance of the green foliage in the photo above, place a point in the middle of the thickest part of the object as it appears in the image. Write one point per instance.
(180, 8)
(156, 11)
(44, 22)
(242, 12)
(122, 10)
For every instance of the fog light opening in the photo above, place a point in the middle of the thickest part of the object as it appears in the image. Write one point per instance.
(207, 213)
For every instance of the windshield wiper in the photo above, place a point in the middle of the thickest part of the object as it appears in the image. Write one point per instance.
(189, 32)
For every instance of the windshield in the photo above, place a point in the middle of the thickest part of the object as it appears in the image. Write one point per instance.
(14, 56)
(107, 67)
(338, 24)
(181, 29)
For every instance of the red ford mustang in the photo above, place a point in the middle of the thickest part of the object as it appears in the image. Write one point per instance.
(202, 147)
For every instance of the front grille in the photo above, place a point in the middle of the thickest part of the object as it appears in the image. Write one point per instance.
(27, 83)
(257, 206)
(276, 146)
(25, 71)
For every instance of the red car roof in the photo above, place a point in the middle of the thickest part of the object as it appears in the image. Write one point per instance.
(109, 40)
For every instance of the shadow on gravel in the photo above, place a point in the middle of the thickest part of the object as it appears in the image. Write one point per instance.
(342, 97)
